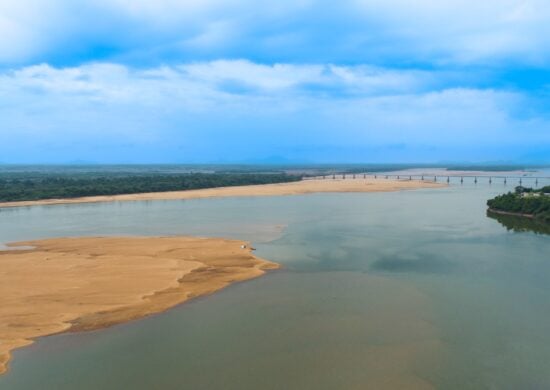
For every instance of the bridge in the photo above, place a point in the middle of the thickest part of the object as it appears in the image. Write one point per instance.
(450, 178)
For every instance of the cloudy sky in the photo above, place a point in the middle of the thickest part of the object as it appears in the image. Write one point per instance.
(190, 81)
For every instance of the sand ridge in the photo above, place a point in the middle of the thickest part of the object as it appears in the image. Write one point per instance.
(87, 283)
(293, 188)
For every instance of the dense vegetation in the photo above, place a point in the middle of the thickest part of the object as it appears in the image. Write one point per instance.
(50, 186)
(524, 201)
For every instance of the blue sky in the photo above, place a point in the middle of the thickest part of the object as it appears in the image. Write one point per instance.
(167, 81)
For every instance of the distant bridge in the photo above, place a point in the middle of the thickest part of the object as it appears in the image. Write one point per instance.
(503, 179)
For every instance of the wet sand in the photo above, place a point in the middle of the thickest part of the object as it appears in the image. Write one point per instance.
(87, 283)
(293, 188)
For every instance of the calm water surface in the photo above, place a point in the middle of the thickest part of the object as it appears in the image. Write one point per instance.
(387, 290)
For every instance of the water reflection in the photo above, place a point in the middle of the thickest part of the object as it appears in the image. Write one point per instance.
(520, 224)
(415, 263)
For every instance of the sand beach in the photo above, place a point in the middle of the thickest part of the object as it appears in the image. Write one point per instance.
(292, 188)
(88, 283)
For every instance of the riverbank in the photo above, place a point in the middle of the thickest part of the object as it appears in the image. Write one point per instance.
(523, 202)
(292, 188)
(73, 284)
(494, 211)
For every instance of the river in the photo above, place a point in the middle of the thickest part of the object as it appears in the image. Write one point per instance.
(413, 289)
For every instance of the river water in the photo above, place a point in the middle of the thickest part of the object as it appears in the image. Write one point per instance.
(413, 289)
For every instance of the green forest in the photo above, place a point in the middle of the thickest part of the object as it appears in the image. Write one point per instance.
(36, 187)
(524, 201)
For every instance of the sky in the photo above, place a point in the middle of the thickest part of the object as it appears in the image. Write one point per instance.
(286, 81)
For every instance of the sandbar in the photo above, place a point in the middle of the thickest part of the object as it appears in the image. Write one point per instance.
(87, 283)
(293, 188)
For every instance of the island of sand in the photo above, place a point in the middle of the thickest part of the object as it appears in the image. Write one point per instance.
(293, 188)
(87, 283)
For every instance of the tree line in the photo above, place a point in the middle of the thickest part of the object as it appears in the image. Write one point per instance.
(58, 187)
(524, 201)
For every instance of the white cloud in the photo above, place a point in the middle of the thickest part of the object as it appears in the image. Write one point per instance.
(269, 77)
(201, 107)
(433, 31)
(466, 31)
(223, 77)
(22, 27)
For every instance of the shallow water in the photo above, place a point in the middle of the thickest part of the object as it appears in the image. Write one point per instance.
(382, 290)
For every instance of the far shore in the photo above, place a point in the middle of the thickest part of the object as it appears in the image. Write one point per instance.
(292, 188)
(73, 284)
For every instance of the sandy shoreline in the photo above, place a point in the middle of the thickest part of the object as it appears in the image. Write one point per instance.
(87, 283)
(293, 188)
